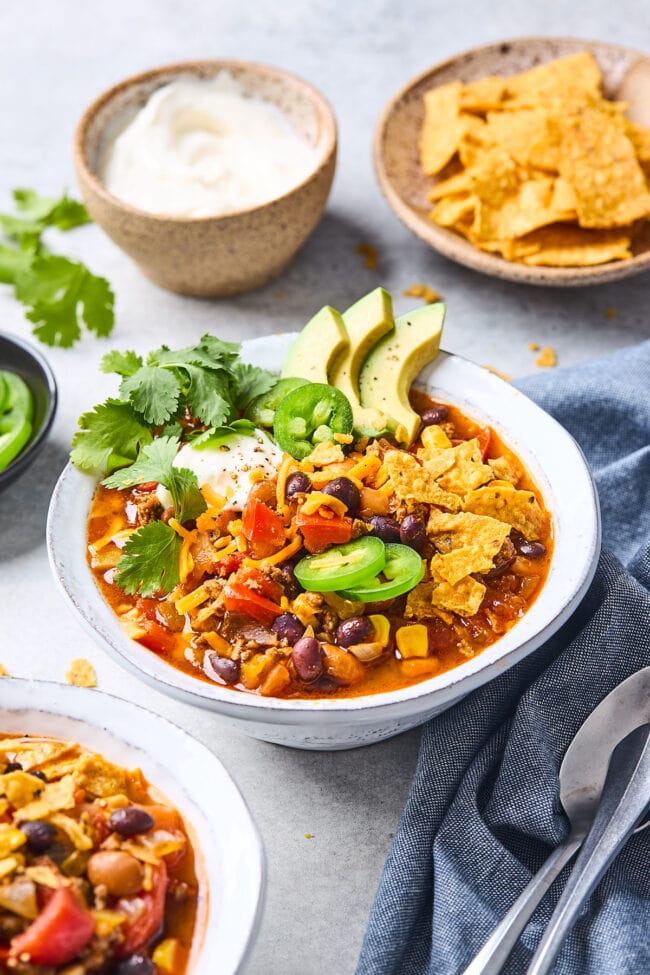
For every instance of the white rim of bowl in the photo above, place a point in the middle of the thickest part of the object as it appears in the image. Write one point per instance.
(74, 491)
(78, 705)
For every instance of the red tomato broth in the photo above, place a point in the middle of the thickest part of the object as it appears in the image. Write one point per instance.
(386, 674)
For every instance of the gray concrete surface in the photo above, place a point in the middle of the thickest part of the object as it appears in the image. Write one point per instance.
(56, 57)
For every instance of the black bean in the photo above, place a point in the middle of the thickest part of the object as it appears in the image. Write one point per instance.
(135, 965)
(437, 414)
(356, 629)
(324, 685)
(12, 767)
(288, 627)
(499, 569)
(40, 835)
(385, 528)
(130, 821)
(223, 667)
(531, 550)
(292, 587)
(347, 492)
(297, 483)
(413, 532)
(307, 659)
(39, 775)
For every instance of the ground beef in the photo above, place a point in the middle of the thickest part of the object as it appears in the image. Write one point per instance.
(148, 508)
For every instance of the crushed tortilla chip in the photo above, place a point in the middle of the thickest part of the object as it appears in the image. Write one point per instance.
(11, 839)
(503, 501)
(505, 469)
(467, 529)
(52, 797)
(44, 875)
(81, 673)
(412, 482)
(497, 372)
(99, 777)
(533, 346)
(3, 671)
(468, 470)
(464, 598)
(547, 358)
(610, 313)
(326, 453)
(370, 255)
(7, 866)
(73, 829)
(36, 753)
(422, 291)
(460, 562)
(418, 602)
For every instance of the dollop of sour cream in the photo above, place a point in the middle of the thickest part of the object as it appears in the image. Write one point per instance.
(227, 466)
(203, 147)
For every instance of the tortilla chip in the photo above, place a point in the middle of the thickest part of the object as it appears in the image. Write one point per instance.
(34, 753)
(433, 438)
(73, 829)
(11, 838)
(461, 562)
(453, 209)
(53, 797)
(99, 777)
(598, 160)
(528, 135)
(413, 482)
(466, 529)
(484, 94)
(503, 501)
(418, 602)
(567, 246)
(454, 185)
(505, 469)
(495, 176)
(574, 78)
(530, 207)
(468, 471)
(442, 128)
(464, 598)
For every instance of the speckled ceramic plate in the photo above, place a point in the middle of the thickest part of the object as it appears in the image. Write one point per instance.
(549, 453)
(626, 75)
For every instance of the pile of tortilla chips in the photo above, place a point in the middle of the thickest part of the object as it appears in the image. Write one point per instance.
(483, 504)
(538, 167)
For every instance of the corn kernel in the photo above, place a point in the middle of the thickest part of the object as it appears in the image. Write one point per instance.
(382, 628)
(413, 641)
(168, 956)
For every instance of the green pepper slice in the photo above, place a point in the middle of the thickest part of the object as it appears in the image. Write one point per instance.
(15, 417)
(403, 569)
(261, 411)
(342, 565)
(310, 415)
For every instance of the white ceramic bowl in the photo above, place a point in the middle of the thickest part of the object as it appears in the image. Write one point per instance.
(230, 860)
(558, 467)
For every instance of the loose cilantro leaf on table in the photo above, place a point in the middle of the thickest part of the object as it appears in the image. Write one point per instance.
(156, 463)
(150, 560)
(61, 294)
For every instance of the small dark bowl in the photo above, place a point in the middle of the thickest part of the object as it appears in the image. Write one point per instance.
(19, 357)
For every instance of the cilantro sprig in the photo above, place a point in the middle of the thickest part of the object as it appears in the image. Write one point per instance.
(60, 295)
(195, 394)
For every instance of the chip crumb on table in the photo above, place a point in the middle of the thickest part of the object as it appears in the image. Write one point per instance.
(547, 358)
(3, 671)
(538, 167)
(81, 673)
(370, 254)
(429, 295)
(611, 313)
(309, 836)
(533, 346)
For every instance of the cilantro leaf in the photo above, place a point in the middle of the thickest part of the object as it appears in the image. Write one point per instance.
(249, 382)
(62, 293)
(208, 353)
(110, 433)
(150, 560)
(11, 262)
(205, 395)
(37, 212)
(156, 463)
(123, 363)
(152, 392)
(214, 435)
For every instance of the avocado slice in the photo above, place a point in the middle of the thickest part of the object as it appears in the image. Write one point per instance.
(366, 322)
(320, 342)
(392, 365)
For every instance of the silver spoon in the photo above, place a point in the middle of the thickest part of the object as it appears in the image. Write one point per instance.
(582, 776)
(625, 798)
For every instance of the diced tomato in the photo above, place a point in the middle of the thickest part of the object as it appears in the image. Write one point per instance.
(145, 913)
(241, 599)
(63, 928)
(146, 488)
(256, 579)
(169, 819)
(263, 529)
(319, 533)
(227, 565)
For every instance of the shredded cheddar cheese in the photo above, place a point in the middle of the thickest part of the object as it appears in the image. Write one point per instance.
(283, 474)
(285, 553)
(192, 600)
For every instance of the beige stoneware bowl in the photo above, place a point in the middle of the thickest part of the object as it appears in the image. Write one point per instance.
(220, 255)
(626, 75)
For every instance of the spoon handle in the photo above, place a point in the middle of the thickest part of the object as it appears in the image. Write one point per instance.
(494, 953)
(625, 797)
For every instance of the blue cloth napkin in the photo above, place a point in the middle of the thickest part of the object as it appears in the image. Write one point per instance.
(483, 811)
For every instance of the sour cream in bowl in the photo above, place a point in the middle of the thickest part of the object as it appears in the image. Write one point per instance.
(208, 174)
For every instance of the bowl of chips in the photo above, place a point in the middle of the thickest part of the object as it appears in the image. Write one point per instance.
(528, 160)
